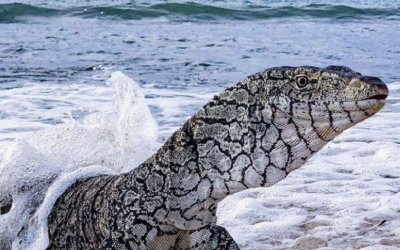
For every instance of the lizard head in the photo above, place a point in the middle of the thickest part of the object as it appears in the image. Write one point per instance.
(301, 109)
(275, 120)
(329, 99)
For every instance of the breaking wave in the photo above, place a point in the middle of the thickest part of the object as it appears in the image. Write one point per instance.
(12, 12)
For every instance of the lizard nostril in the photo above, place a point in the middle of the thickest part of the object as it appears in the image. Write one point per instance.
(355, 83)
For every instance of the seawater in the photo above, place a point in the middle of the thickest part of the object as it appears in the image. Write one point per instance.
(56, 56)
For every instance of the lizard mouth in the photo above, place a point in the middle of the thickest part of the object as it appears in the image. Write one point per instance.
(376, 97)
(379, 88)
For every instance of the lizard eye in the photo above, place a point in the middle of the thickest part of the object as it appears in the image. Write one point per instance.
(301, 82)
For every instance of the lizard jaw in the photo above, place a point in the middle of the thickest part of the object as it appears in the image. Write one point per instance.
(377, 97)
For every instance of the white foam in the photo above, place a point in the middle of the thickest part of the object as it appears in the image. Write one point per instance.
(25, 176)
(36, 169)
(119, 139)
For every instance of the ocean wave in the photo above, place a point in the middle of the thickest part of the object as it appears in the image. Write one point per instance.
(10, 12)
(193, 11)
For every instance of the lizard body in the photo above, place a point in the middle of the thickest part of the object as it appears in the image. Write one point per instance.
(252, 135)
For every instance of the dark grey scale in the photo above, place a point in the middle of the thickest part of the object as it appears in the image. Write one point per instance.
(341, 69)
(252, 135)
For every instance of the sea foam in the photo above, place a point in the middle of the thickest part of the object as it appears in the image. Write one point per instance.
(36, 169)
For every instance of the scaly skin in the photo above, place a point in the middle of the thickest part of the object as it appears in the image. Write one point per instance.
(251, 135)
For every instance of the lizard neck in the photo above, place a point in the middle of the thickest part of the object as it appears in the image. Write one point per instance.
(235, 142)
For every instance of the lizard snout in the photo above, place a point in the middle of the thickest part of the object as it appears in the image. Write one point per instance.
(378, 86)
(373, 87)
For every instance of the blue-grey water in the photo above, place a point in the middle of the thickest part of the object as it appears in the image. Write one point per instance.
(191, 47)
